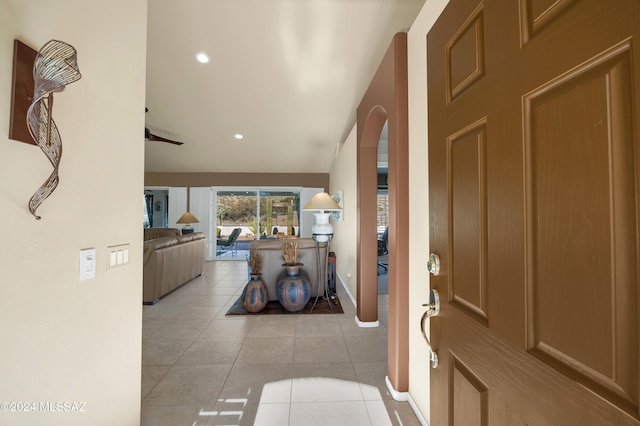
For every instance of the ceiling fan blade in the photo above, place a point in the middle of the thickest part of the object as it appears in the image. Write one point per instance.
(155, 138)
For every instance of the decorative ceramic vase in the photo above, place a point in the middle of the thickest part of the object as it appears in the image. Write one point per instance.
(255, 295)
(293, 289)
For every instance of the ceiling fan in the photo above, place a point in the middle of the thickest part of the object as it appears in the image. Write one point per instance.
(155, 138)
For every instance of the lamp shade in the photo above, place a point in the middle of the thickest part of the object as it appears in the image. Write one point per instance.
(322, 201)
(322, 229)
(188, 218)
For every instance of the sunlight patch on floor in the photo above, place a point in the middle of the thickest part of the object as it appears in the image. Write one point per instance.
(320, 401)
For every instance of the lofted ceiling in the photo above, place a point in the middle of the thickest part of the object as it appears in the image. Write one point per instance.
(286, 74)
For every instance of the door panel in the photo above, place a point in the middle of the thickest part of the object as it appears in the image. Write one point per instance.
(469, 396)
(465, 55)
(537, 13)
(467, 198)
(533, 183)
(582, 257)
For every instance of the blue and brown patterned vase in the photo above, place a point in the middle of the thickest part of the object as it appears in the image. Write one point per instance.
(294, 289)
(255, 295)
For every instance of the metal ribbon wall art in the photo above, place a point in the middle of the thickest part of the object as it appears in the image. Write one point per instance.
(55, 66)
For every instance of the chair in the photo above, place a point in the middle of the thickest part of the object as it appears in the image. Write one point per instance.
(230, 243)
(383, 248)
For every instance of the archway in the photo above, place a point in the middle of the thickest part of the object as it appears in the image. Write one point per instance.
(386, 99)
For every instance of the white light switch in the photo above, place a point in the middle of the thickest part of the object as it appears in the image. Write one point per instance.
(117, 256)
(87, 263)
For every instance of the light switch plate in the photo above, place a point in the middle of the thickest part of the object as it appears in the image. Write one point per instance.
(87, 263)
(117, 256)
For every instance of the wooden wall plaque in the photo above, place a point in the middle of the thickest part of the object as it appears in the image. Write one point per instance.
(21, 91)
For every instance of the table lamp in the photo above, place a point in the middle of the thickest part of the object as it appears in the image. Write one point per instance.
(187, 219)
(323, 203)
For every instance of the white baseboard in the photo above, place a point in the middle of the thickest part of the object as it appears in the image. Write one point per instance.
(417, 412)
(358, 322)
(370, 324)
(346, 289)
(404, 397)
(398, 396)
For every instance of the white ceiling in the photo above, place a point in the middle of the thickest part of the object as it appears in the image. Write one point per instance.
(287, 74)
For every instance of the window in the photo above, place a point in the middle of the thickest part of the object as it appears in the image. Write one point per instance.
(259, 213)
(382, 211)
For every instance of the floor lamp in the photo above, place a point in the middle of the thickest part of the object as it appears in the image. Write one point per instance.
(322, 232)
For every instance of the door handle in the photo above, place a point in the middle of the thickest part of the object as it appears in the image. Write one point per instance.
(433, 309)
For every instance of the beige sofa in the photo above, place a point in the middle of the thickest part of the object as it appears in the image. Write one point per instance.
(170, 260)
(271, 251)
(153, 233)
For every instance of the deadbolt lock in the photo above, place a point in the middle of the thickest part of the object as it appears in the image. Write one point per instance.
(433, 264)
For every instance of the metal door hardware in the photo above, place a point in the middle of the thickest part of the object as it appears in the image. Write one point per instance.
(433, 264)
(433, 309)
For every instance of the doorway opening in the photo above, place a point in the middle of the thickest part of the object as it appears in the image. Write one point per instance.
(383, 242)
(155, 208)
(382, 211)
(385, 101)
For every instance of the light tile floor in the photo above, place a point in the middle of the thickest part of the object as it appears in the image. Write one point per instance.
(200, 367)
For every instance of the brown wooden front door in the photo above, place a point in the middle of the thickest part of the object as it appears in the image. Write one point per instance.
(534, 190)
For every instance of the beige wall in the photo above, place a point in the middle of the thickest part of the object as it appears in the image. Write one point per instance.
(343, 178)
(65, 340)
(419, 202)
(309, 180)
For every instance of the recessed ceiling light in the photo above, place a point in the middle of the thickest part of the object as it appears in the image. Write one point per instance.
(202, 57)
(238, 136)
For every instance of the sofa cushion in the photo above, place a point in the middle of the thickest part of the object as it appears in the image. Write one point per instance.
(158, 243)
